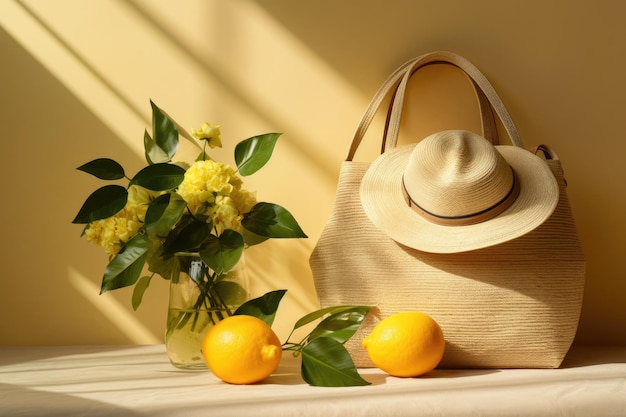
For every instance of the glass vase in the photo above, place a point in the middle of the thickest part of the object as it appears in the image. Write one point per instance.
(199, 298)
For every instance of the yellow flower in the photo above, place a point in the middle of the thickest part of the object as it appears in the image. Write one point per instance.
(209, 133)
(139, 198)
(111, 233)
(226, 215)
(244, 200)
(213, 189)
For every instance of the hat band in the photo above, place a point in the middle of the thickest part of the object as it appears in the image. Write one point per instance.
(465, 219)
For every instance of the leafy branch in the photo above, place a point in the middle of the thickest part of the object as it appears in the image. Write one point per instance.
(168, 226)
(325, 360)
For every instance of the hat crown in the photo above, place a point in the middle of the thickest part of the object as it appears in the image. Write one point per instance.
(456, 173)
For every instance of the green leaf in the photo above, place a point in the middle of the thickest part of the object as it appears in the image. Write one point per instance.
(230, 292)
(159, 177)
(273, 221)
(322, 312)
(186, 236)
(163, 213)
(263, 307)
(252, 239)
(103, 168)
(102, 203)
(153, 153)
(327, 363)
(125, 268)
(253, 153)
(222, 253)
(139, 289)
(165, 265)
(164, 132)
(203, 156)
(181, 130)
(340, 325)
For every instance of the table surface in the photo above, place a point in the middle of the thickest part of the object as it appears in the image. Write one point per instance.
(139, 381)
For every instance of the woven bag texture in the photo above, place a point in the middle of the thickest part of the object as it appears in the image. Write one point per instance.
(513, 305)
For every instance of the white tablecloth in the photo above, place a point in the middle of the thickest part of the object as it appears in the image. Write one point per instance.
(139, 381)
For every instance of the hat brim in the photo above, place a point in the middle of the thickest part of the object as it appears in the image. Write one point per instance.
(383, 202)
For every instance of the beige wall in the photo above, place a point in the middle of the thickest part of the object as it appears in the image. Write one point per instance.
(76, 77)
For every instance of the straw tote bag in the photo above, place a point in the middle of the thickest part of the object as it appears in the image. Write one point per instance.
(512, 305)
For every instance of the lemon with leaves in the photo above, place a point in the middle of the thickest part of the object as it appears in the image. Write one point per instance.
(241, 350)
(406, 344)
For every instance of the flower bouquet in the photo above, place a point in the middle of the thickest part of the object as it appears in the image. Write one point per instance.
(171, 208)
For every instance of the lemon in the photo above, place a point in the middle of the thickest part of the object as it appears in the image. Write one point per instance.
(241, 350)
(406, 344)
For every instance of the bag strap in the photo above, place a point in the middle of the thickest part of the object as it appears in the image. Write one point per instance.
(552, 159)
(487, 98)
(474, 73)
(548, 152)
(487, 119)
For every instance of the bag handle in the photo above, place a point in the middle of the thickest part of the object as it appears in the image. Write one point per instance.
(550, 155)
(487, 98)
(392, 83)
(487, 119)
(477, 77)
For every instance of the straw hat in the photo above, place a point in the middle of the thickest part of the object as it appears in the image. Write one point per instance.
(454, 192)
